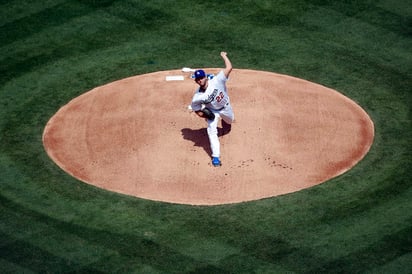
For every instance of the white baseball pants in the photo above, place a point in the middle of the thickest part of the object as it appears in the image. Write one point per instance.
(228, 116)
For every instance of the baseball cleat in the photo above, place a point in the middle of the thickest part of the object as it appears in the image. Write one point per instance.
(216, 161)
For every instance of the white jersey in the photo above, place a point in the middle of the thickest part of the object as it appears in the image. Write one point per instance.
(215, 97)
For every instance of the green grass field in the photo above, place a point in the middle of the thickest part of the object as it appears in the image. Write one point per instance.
(53, 51)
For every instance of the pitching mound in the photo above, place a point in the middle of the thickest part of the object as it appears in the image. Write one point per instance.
(136, 136)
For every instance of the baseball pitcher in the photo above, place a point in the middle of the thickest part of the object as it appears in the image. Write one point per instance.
(211, 101)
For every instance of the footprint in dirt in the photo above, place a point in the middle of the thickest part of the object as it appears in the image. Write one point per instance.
(273, 163)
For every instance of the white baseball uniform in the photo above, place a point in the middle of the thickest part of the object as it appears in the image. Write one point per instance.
(215, 98)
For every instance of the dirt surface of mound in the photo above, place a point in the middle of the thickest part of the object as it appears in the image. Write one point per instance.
(136, 136)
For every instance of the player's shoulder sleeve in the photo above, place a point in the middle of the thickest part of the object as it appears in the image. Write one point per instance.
(221, 76)
(197, 101)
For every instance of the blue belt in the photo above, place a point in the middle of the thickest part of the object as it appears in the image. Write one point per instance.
(221, 108)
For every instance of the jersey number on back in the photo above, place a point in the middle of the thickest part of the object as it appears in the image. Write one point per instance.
(220, 97)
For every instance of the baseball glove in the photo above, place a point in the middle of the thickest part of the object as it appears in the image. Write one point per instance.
(208, 114)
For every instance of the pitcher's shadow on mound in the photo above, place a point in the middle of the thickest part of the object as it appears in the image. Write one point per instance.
(200, 138)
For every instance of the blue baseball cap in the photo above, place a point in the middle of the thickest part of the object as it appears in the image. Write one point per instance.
(200, 73)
